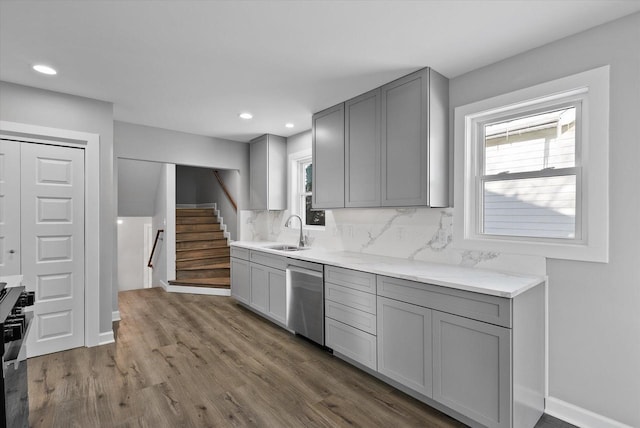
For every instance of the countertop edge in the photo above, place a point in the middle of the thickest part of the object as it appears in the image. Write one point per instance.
(529, 281)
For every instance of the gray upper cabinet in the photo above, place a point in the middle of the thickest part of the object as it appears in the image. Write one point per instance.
(414, 140)
(362, 150)
(268, 173)
(388, 147)
(328, 158)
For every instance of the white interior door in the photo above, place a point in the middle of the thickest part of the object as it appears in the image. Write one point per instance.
(52, 232)
(9, 208)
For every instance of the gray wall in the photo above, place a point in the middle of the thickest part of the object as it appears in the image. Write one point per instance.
(299, 142)
(161, 145)
(137, 183)
(594, 308)
(45, 108)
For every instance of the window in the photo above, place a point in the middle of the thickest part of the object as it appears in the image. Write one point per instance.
(529, 179)
(301, 186)
(310, 217)
(532, 170)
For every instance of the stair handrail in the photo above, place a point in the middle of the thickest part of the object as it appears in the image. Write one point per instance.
(153, 250)
(225, 190)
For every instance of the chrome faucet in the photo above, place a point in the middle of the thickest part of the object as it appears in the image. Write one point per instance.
(288, 224)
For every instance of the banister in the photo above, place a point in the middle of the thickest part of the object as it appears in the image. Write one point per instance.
(225, 190)
(153, 250)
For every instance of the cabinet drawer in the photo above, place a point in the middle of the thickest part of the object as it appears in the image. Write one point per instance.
(240, 253)
(350, 297)
(362, 281)
(353, 317)
(491, 309)
(351, 342)
(271, 260)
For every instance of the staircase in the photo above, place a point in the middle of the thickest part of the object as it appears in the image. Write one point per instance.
(202, 250)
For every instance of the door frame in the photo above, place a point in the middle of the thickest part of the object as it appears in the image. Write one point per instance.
(91, 144)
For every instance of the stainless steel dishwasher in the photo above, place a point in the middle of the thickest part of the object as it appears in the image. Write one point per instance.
(305, 299)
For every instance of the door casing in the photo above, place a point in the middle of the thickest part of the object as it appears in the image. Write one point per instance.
(91, 144)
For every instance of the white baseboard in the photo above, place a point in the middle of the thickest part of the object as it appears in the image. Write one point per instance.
(197, 290)
(115, 316)
(578, 416)
(164, 285)
(186, 205)
(106, 338)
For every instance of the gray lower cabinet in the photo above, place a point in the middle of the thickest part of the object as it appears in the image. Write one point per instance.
(350, 314)
(405, 344)
(327, 142)
(472, 368)
(277, 297)
(258, 280)
(240, 282)
(351, 342)
(259, 287)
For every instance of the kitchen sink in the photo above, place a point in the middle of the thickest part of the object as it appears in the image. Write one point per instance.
(285, 247)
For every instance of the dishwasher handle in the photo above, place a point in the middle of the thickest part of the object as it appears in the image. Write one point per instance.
(305, 271)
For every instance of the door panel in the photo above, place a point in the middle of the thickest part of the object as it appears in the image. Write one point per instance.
(52, 228)
(472, 368)
(404, 344)
(9, 208)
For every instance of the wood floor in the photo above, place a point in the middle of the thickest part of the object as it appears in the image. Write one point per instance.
(183, 360)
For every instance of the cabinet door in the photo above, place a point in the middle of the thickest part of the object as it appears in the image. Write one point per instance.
(259, 287)
(404, 344)
(277, 173)
(277, 299)
(258, 170)
(362, 150)
(404, 140)
(351, 342)
(240, 282)
(328, 158)
(472, 368)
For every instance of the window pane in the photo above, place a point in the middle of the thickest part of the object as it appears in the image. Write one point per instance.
(313, 217)
(531, 143)
(534, 207)
(308, 177)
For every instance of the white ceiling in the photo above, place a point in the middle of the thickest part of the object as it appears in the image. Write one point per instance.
(192, 66)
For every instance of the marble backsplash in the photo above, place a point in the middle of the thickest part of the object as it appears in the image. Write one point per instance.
(411, 233)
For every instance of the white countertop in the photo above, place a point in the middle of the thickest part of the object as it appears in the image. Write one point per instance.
(11, 280)
(483, 281)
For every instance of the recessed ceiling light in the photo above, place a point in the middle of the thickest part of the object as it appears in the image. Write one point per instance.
(289, 125)
(246, 115)
(44, 69)
(120, 221)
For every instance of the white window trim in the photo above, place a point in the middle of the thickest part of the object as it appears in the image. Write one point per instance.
(593, 88)
(294, 201)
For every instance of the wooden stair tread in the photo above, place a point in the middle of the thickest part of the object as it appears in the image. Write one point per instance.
(190, 259)
(194, 212)
(222, 282)
(200, 236)
(208, 266)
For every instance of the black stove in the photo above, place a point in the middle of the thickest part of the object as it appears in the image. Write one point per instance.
(14, 324)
